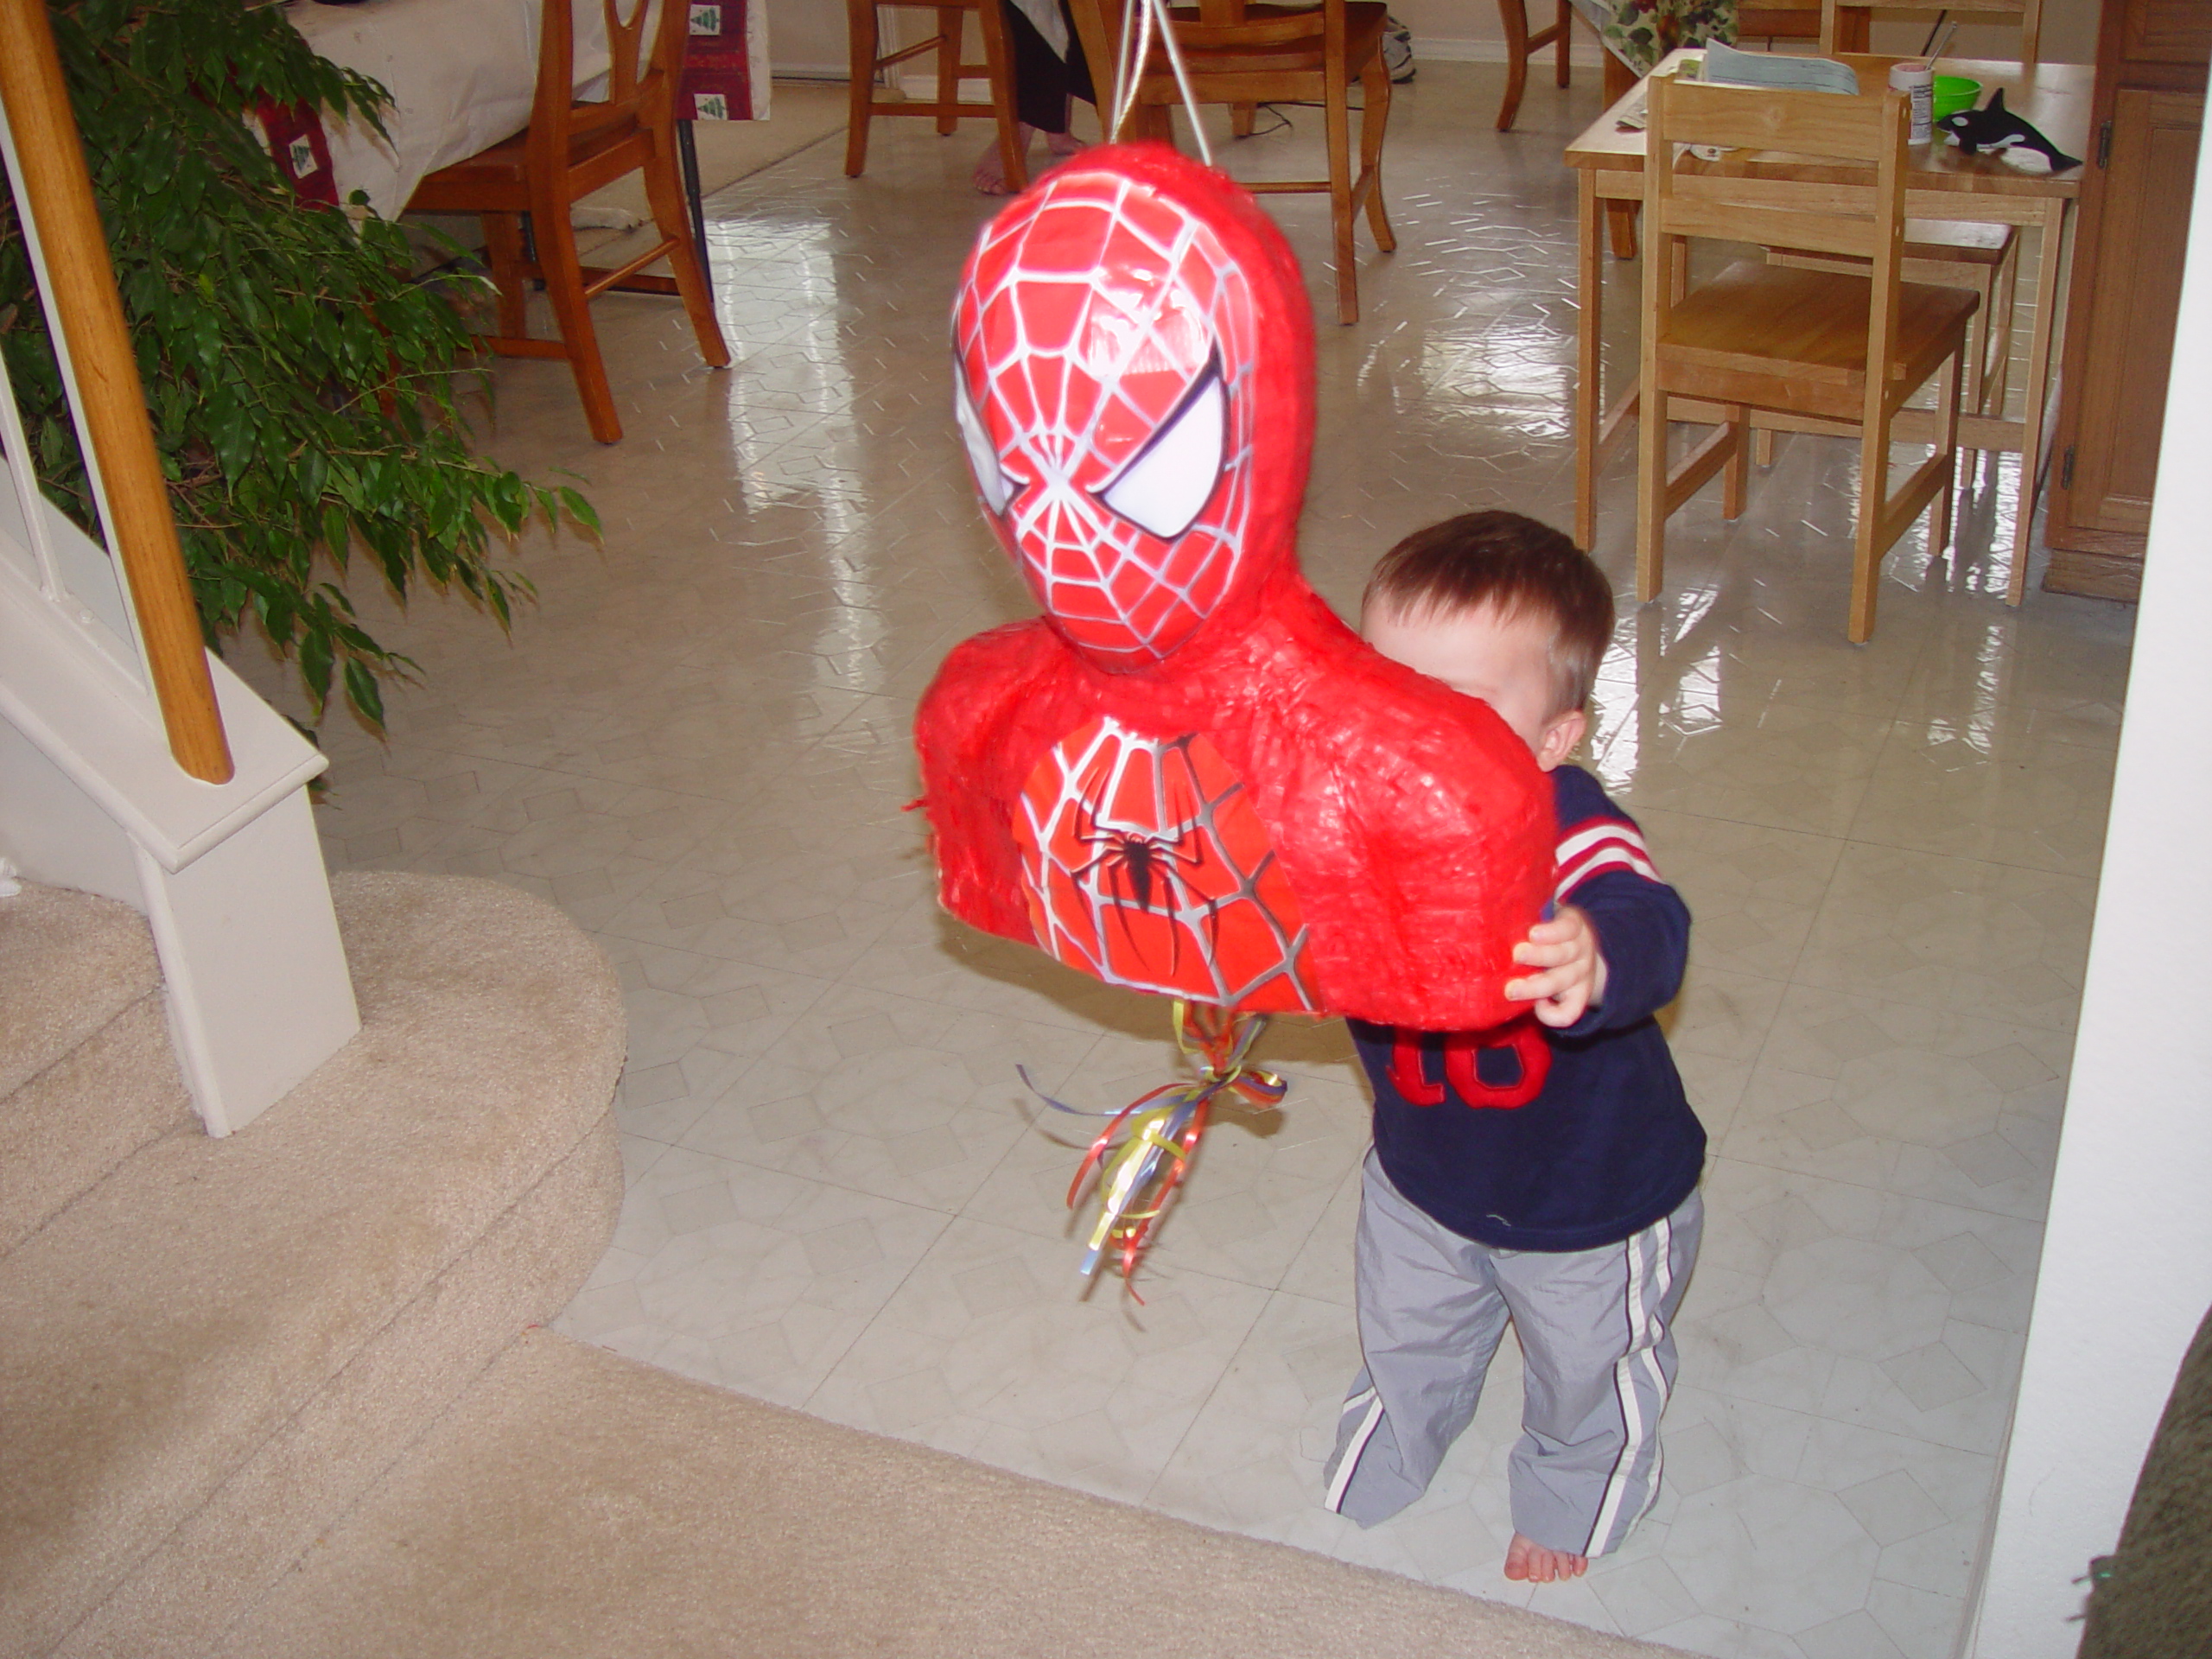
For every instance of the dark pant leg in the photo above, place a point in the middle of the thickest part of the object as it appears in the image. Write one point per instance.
(1043, 81)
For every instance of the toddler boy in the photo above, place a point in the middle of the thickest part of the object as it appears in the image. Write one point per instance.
(1546, 1171)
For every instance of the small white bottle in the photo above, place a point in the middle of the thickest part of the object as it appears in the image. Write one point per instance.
(1917, 80)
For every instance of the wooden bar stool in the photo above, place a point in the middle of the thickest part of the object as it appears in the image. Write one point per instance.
(869, 59)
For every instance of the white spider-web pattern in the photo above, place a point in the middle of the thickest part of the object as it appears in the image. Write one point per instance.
(1182, 826)
(1075, 362)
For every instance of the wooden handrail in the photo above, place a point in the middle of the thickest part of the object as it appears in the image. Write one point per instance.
(110, 399)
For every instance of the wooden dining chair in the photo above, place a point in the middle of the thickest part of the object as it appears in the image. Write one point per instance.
(1793, 20)
(863, 19)
(570, 149)
(1844, 348)
(1521, 45)
(1245, 54)
(1844, 26)
(1985, 259)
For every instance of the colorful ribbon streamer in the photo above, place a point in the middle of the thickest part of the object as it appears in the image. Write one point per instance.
(1144, 1152)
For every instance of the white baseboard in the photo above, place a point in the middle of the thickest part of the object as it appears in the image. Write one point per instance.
(1585, 51)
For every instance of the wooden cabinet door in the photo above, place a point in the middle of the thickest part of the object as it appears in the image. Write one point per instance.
(2134, 294)
(2167, 32)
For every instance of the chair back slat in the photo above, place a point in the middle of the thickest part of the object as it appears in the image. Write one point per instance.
(1824, 125)
(1260, 31)
(2027, 14)
(644, 52)
(1817, 232)
(1223, 37)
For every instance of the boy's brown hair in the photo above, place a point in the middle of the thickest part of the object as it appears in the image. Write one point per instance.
(1516, 565)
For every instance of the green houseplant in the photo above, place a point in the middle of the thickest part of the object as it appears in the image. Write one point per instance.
(305, 396)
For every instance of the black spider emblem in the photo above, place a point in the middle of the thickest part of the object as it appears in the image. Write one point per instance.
(1131, 865)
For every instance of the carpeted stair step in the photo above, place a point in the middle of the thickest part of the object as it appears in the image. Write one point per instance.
(214, 1351)
(574, 1504)
(87, 1076)
(69, 962)
(69, 1127)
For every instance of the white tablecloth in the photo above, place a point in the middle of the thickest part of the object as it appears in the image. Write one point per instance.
(461, 73)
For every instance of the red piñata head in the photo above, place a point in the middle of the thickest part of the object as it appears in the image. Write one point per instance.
(1189, 776)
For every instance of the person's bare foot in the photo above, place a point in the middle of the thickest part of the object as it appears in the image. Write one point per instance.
(991, 167)
(1536, 1564)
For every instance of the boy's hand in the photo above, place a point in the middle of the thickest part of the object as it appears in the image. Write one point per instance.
(1574, 977)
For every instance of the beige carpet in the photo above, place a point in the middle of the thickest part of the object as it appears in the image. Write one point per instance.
(209, 1353)
(69, 962)
(81, 1022)
(576, 1505)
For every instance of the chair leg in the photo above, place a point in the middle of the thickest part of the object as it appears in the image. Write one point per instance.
(503, 249)
(1865, 555)
(1997, 374)
(565, 286)
(1243, 117)
(950, 21)
(664, 196)
(1762, 447)
(1373, 123)
(1561, 41)
(1620, 216)
(1735, 481)
(1650, 495)
(1947, 404)
(1978, 338)
(1338, 119)
(1514, 15)
(860, 26)
(998, 61)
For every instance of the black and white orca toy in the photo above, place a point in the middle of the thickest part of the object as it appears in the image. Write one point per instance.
(1995, 127)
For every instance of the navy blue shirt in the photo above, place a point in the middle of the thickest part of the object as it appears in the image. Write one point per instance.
(1528, 1139)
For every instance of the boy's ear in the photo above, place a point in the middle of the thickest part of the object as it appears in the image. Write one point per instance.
(1563, 737)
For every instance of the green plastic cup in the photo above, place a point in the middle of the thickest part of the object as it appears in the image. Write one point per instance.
(1952, 94)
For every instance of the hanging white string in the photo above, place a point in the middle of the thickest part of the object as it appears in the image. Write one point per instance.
(1131, 62)
(1125, 67)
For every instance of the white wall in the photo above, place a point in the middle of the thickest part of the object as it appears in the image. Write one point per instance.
(807, 37)
(2127, 1257)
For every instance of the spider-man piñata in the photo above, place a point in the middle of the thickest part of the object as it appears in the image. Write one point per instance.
(1189, 776)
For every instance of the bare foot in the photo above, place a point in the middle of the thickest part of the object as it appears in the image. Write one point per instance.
(990, 169)
(1537, 1565)
(990, 166)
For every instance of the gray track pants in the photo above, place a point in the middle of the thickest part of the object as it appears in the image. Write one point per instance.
(1600, 1361)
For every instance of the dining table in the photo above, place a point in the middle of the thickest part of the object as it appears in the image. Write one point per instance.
(462, 74)
(1944, 183)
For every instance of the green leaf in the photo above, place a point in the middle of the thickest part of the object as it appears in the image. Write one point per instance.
(305, 395)
(581, 510)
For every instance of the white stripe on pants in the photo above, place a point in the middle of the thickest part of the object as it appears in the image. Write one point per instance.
(1594, 1326)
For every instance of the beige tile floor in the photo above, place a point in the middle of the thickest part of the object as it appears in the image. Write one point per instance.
(840, 1195)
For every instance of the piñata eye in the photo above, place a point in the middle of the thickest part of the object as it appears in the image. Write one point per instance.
(1173, 477)
(990, 478)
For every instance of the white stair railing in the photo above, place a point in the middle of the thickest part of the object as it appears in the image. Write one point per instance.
(132, 762)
